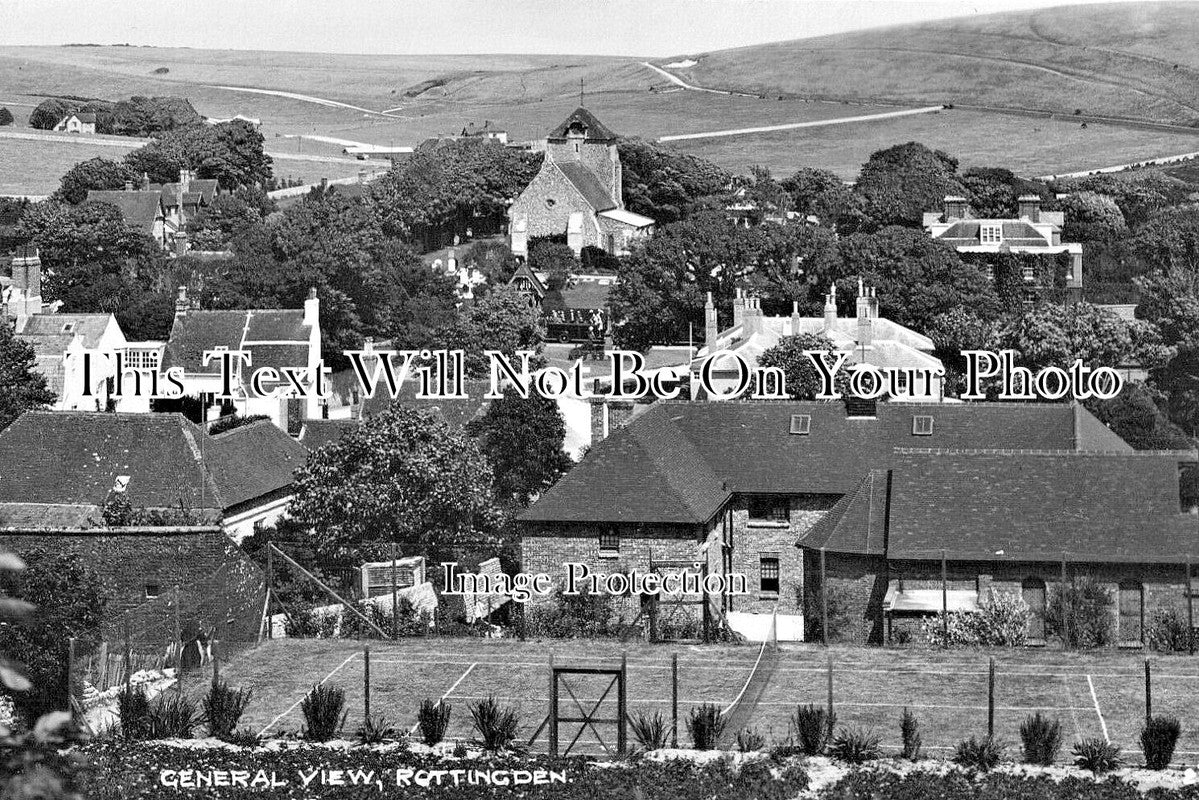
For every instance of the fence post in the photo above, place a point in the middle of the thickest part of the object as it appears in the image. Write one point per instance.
(1190, 612)
(366, 682)
(823, 600)
(128, 654)
(553, 709)
(178, 648)
(991, 700)
(830, 689)
(71, 675)
(270, 589)
(944, 601)
(1067, 607)
(1148, 692)
(674, 700)
(395, 596)
(622, 703)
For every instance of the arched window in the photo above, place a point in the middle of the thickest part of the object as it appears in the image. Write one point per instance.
(1032, 590)
(1132, 613)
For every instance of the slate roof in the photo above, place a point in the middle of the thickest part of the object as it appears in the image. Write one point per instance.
(595, 130)
(456, 412)
(75, 458)
(748, 447)
(317, 433)
(89, 327)
(140, 209)
(583, 179)
(585, 295)
(1016, 506)
(274, 338)
(645, 472)
(1014, 232)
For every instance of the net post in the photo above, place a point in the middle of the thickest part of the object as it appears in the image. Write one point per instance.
(830, 691)
(71, 675)
(270, 580)
(944, 601)
(366, 683)
(1067, 607)
(1148, 692)
(395, 597)
(823, 599)
(674, 700)
(991, 699)
(553, 709)
(128, 662)
(1190, 611)
(622, 703)
(178, 648)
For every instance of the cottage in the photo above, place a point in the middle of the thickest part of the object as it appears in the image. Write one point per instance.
(732, 487)
(577, 192)
(278, 339)
(80, 122)
(142, 210)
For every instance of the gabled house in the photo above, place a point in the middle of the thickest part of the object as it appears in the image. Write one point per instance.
(279, 339)
(79, 122)
(143, 210)
(732, 487)
(577, 311)
(60, 342)
(62, 468)
(488, 130)
(577, 192)
(1032, 232)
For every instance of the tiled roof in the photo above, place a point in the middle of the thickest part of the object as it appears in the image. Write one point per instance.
(585, 295)
(857, 523)
(748, 447)
(595, 130)
(23, 516)
(274, 338)
(1019, 506)
(456, 412)
(1014, 232)
(140, 209)
(317, 433)
(647, 471)
(76, 458)
(583, 179)
(89, 327)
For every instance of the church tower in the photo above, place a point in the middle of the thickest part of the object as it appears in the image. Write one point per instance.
(584, 140)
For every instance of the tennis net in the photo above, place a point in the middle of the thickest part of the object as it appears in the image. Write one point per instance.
(739, 713)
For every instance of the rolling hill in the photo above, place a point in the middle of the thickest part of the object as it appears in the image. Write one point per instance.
(1134, 61)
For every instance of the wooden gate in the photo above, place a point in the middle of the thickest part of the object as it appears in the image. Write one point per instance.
(587, 712)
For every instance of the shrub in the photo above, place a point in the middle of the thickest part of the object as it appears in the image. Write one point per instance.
(324, 712)
(855, 746)
(375, 730)
(173, 717)
(1001, 621)
(497, 725)
(706, 726)
(1096, 755)
(909, 731)
(586, 615)
(459, 750)
(840, 611)
(750, 741)
(246, 737)
(223, 708)
(1167, 631)
(433, 719)
(1158, 739)
(134, 709)
(650, 732)
(755, 780)
(814, 727)
(6, 117)
(1042, 738)
(982, 754)
(1084, 609)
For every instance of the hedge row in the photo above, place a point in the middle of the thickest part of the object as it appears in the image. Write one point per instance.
(872, 784)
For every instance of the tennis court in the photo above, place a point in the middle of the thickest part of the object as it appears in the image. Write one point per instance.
(1094, 695)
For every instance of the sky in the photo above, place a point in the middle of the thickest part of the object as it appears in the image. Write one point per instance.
(579, 27)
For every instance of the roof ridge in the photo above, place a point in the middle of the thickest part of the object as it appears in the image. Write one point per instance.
(944, 451)
(657, 456)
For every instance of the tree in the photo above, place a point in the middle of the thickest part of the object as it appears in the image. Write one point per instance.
(899, 184)
(1091, 217)
(664, 184)
(822, 194)
(1139, 196)
(915, 276)
(1136, 416)
(493, 258)
(522, 440)
(802, 378)
(404, 476)
(992, 191)
(502, 320)
(65, 591)
(1169, 239)
(22, 387)
(6, 117)
(95, 173)
(231, 152)
(227, 216)
(1055, 335)
(556, 259)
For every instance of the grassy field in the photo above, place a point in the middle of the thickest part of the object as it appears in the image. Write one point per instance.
(1091, 694)
(1131, 60)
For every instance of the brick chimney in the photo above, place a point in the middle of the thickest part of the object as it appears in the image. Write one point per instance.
(795, 318)
(956, 208)
(181, 302)
(181, 245)
(753, 315)
(362, 176)
(25, 298)
(1030, 207)
(711, 327)
(867, 313)
(185, 183)
(830, 308)
(129, 185)
(738, 308)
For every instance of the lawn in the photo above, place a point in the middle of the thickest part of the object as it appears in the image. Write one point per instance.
(1093, 695)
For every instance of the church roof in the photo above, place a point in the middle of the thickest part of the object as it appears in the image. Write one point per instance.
(583, 179)
(593, 130)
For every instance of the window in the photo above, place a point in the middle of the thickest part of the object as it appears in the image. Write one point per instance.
(1028, 273)
(68, 327)
(550, 202)
(991, 234)
(801, 424)
(768, 567)
(769, 508)
(141, 359)
(922, 426)
(609, 542)
(152, 591)
(1188, 488)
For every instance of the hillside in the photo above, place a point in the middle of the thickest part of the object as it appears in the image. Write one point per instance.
(1135, 60)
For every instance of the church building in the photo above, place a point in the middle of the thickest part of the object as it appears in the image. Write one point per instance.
(577, 193)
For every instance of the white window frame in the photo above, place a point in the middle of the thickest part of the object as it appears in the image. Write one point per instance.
(801, 424)
(922, 425)
(989, 233)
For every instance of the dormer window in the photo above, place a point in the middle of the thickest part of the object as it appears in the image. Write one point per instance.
(991, 234)
(68, 327)
(801, 424)
(922, 425)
